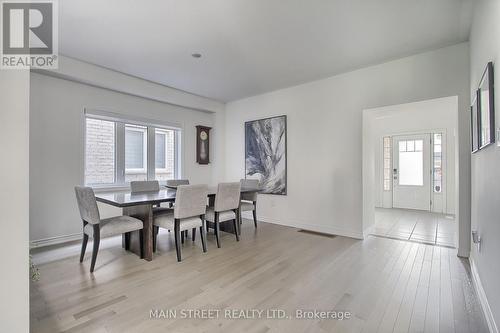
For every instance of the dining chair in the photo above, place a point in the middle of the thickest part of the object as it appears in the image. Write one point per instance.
(177, 182)
(144, 186)
(225, 209)
(173, 183)
(139, 186)
(189, 213)
(249, 200)
(96, 228)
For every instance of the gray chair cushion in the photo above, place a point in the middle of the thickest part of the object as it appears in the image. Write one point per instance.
(87, 204)
(190, 201)
(167, 222)
(246, 206)
(254, 183)
(227, 215)
(115, 226)
(249, 196)
(177, 182)
(144, 186)
(227, 197)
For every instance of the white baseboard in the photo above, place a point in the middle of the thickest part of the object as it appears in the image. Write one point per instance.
(307, 226)
(368, 231)
(55, 240)
(248, 215)
(482, 298)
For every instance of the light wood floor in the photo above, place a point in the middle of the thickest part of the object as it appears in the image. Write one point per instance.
(388, 285)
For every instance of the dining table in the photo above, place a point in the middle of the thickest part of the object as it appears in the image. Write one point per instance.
(140, 205)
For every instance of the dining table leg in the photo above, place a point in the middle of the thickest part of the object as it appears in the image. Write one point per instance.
(145, 214)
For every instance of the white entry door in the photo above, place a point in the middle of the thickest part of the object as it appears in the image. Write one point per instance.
(411, 172)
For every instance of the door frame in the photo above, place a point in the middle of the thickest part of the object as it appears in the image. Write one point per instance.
(458, 125)
(386, 197)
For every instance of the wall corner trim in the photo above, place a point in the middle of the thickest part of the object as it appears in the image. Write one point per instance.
(482, 298)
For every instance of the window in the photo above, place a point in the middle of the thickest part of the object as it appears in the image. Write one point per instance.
(100, 167)
(164, 154)
(437, 171)
(136, 155)
(118, 151)
(411, 162)
(387, 163)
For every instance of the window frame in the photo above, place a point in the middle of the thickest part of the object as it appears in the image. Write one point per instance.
(120, 123)
(136, 128)
(389, 158)
(166, 149)
(441, 161)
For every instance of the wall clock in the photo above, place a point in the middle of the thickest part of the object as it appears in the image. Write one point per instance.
(203, 144)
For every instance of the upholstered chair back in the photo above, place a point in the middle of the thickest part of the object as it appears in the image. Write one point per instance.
(87, 204)
(254, 183)
(177, 182)
(190, 201)
(228, 196)
(144, 186)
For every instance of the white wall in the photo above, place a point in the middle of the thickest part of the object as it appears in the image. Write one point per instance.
(485, 47)
(431, 116)
(57, 146)
(14, 200)
(325, 135)
(80, 71)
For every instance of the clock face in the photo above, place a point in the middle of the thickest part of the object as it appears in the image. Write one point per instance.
(203, 135)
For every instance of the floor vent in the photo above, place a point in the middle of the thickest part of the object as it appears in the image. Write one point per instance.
(317, 233)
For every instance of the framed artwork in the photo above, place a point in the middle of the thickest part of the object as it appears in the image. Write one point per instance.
(203, 144)
(265, 154)
(486, 108)
(474, 125)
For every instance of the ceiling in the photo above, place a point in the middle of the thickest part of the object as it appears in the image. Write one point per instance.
(250, 47)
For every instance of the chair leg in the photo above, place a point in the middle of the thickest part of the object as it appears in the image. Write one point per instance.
(96, 240)
(255, 218)
(155, 237)
(203, 239)
(216, 229)
(193, 236)
(239, 220)
(236, 231)
(177, 236)
(182, 237)
(84, 246)
(141, 243)
(127, 241)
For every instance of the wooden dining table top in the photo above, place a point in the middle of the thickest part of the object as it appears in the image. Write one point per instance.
(166, 194)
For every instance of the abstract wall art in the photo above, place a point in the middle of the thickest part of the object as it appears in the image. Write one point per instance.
(265, 154)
